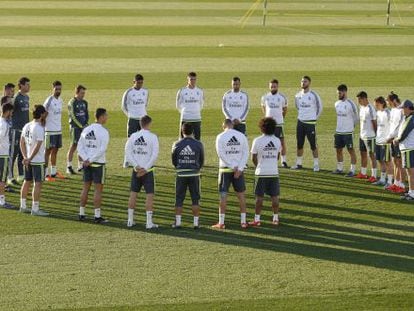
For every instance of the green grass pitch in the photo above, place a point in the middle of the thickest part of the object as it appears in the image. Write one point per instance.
(342, 244)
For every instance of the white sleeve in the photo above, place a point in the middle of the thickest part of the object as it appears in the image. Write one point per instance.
(102, 148)
(220, 151)
(226, 112)
(246, 110)
(81, 149)
(245, 154)
(202, 100)
(124, 104)
(254, 147)
(129, 152)
(319, 106)
(46, 104)
(154, 154)
(178, 103)
(285, 104)
(262, 101)
(355, 111)
(40, 133)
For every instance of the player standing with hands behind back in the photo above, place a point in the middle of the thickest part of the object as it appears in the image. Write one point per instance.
(92, 150)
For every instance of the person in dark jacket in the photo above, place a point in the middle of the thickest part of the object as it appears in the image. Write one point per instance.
(188, 159)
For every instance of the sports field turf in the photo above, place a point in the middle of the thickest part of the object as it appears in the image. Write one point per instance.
(342, 244)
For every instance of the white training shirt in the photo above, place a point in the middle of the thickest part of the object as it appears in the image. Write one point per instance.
(383, 126)
(93, 143)
(267, 148)
(396, 119)
(274, 105)
(142, 149)
(309, 106)
(235, 105)
(190, 103)
(4, 137)
(346, 116)
(135, 102)
(32, 133)
(367, 114)
(232, 149)
(53, 107)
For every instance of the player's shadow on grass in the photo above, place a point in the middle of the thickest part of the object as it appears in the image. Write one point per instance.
(303, 231)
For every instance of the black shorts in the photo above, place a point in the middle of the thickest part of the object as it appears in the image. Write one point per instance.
(94, 173)
(196, 129)
(75, 133)
(280, 131)
(133, 126)
(227, 178)
(4, 165)
(53, 140)
(383, 152)
(266, 185)
(306, 130)
(395, 151)
(34, 172)
(181, 185)
(407, 157)
(343, 140)
(147, 181)
(241, 127)
(367, 145)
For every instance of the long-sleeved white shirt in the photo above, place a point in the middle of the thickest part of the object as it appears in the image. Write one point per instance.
(367, 114)
(408, 142)
(53, 107)
(190, 102)
(142, 149)
(135, 102)
(267, 148)
(93, 143)
(396, 119)
(346, 116)
(309, 106)
(232, 149)
(235, 105)
(274, 105)
(4, 137)
(383, 126)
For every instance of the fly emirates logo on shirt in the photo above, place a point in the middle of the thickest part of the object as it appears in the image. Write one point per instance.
(91, 140)
(270, 151)
(140, 144)
(187, 156)
(233, 143)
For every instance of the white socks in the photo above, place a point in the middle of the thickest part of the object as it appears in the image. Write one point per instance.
(353, 167)
(363, 170)
(275, 217)
(82, 210)
(389, 179)
(131, 214)
(195, 221)
(2, 199)
(35, 206)
(383, 176)
(97, 212)
(22, 203)
(256, 218)
(242, 218)
(283, 158)
(53, 170)
(374, 172)
(315, 161)
(178, 220)
(221, 218)
(69, 164)
(340, 166)
(149, 217)
(299, 160)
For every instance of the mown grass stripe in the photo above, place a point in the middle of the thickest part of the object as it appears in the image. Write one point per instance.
(174, 80)
(196, 52)
(205, 64)
(162, 41)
